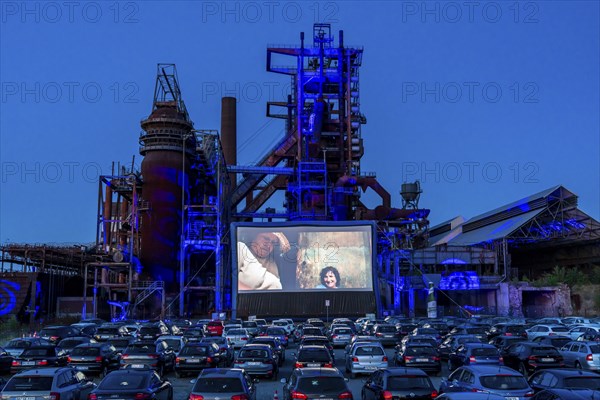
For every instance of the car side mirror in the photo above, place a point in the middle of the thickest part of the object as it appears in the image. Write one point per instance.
(283, 380)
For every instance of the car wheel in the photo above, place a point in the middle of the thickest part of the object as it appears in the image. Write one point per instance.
(578, 365)
(523, 370)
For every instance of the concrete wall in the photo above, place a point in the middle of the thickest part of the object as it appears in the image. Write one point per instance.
(522, 300)
(586, 300)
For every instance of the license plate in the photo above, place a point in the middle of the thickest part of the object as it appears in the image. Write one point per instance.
(547, 359)
(28, 363)
(422, 359)
(193, 361)
(253, 363)
(137, 365)
(313, 365)
(26, 398)
(82, 367)
(369, 368)
(511, 398)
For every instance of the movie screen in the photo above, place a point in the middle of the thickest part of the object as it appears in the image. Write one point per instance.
(303, 258)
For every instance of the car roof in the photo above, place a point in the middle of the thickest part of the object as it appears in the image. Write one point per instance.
(574, 393)
(479, 345)
(567, 372)
(257, 345)
(491, 370)
(83, 345)
(311, 371)
(398, 371)
(222, 372)
(46, 371)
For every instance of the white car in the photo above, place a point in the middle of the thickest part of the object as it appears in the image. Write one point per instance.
(286, 324)
(574, 333)
(237, 337)
(544, 330)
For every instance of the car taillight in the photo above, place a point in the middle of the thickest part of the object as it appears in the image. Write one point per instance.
(298, 365)
(142, 396)
(501, 360)
(436, 358)
(43, 362)
(92, 396)
(472, 359)
(334, 336)
(508, 334)
(239, 397)
(238, 362)
(532, 358)
(529, 394)
(244, 338)
(345, 395)
(125, 356)
(379, 334)
(196, 397)
(384, 358)
(589, 357)
(209, 360)
(54, 396)
(298, 395)
(354, 359)
(177, 360)
(99, 359)
(386, 395)
(408, 358)
(477, 390)
(434, 394)
(153, 355)
(54, 338)
(15, 363)
(328, 365)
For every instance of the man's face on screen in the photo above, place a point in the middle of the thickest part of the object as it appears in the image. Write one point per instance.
(264, 244)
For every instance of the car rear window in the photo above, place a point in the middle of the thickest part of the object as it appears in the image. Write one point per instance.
(124, 381)
(560, 329)
(85, 351)
(29, 383)
(218, 385)
(275, 331)
(503, 382)
(314, 355)
(408, 382)
(475, 331)
(237, 332)
(321, 384)
(107, 331)
(71, 343)
(38, 352)
(589, 382)
(140, 349)
(485, 351)
(560, 342)
(215, 324)
(515, 329)
(253, 353)
(343, 331)
(594, 348)
(18, 344)
(545, 351)
(386, 328)
(119, 343)
(194, 351)
(420, 350)
(369, 351)
(51, 331)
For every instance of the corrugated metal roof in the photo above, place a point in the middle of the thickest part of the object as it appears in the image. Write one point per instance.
(494, 231)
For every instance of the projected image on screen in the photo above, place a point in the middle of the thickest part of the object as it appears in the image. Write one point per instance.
(301, 258)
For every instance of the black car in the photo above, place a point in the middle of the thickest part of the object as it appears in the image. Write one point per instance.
(258, 359)
(507, 329)
(405, 329)
(504, 342)
(16, 346)
(39, 356)
(153, 331)
(55, 334)
(318, 341)
(121, 343)
(133, 384)
(69, 344)
(398, 382)
(194, 357)
(194, 334)
(275, 344)
(5, 361)
(567, 394)
(157, 356)
(109, 331)
(553, 340)
(313, 356)
(316, 383)
(95, 358)
(386, 334)
(230, 383)
(564, 378)
(528, 357)
(224, 346)
(48, 383)
(423, 356)
(86, 328)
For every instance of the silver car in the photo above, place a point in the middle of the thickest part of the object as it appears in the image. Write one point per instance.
(341, 336)
(365, 358)
(65, 383)
(582, 355)
(237, 337)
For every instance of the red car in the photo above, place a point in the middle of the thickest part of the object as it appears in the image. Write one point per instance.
(215, 328)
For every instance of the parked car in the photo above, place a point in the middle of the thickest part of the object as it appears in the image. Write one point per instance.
(276, 331)
(95, 358)
(194, 357)
(474, 354)
(224, 346)
(55, 334)
(563, 378)
(237, 337)
(341, 336)
(63, 383)
(86, 328)
(157, 356)
(153, 331)
(582, 355)
(567, 394)
(16, 346)
(251, 327)
(507, 329)
(528, 357)
(258, 359)
(318, 341)
(365, 358)
(316, 383)
(39, 356)
(387, 335)
(422, 356)
(69, 344)
(543, 330)
(215, 328)
(398, 382)
(275, 344)
(313, 356)
(552, 340)
(175, 342)
(499, 380)
(109, 331)
(504, 342)
(6, 360)
(121, 343)
(133, 384)
(221, 383)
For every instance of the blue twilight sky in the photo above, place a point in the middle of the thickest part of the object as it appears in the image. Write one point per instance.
(483, 102)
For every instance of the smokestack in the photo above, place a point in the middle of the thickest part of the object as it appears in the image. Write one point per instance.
(229, 133)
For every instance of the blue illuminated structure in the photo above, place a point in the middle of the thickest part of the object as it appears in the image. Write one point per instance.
(8, 296)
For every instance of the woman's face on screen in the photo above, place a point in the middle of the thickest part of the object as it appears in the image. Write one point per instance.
(329, 280)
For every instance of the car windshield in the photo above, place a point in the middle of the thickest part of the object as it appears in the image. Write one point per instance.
(589, 382)
(307, 355)
(484, 351)
(218, 385)
(544, 351)
(29, 383)
(124, 381)
(253, 353)
(321, 384)
(18, 344)
(408, 382)
(194, 351)
(38, 352)
(369, 351)
(503, 382)
(85, 351)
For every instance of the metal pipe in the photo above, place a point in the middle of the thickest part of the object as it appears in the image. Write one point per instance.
(253, 169)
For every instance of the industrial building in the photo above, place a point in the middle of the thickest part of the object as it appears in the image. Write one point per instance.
(163, 244)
